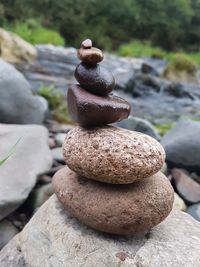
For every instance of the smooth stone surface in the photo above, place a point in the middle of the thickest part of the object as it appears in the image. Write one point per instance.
(54, 238)
(95, 79)
(87, 43)
(17, 103)
(60, 138)
(194, 211)
(19, 173)
(186, 186)
(92, 55)
(57, 154)
(112, 155)
(115, 209)
(182, 145)
(91, 110)
(179, 202)
(139, 125)
(7, 232)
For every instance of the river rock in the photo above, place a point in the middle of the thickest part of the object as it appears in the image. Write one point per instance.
(194, 211)
(17, 103)
(179, 202)
(54, 238)
(7, 232)
(139, 125)
(19, 173)
(87, 43)
(112, 155)
(91, 55)
(186, 186)
(95, 79)
(182, 146)
(91, 110)
(14, 49)
(115, 209)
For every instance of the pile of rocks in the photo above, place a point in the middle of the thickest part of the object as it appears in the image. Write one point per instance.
(113, 183)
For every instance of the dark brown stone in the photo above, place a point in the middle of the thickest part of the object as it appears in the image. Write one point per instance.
(92, 110)
(117, 209)
(91, 55)
(95, 79)
(87, 43)
(187, 188)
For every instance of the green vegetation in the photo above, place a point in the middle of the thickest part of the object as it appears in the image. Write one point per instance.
(171, 25)
(140, 49)
(56, 101)
(163, 128)
(12, 150)
(34, 33)
(178, 60)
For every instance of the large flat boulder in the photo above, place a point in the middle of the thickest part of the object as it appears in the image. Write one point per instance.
(17, 103)
(182, 145)
(54, 238)
(31, 157)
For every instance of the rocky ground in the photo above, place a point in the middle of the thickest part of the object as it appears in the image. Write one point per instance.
(137, 80)
(25, 178)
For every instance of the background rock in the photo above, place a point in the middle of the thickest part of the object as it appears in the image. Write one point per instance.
(17, 104)
(179, 202)
(139, 125)
(14, 49)
(194, 211)
(67, 243)
(185, 186)
(7, 231)
(182, 145)
(30, 158)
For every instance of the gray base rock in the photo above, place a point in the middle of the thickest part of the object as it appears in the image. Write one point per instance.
(19, 173)
(54, 238)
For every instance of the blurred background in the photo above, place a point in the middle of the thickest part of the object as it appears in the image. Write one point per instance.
(153, 50)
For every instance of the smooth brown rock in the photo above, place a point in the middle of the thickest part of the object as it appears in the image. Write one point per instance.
(91, 110)
(112, 155)
(87, 43)
(95, 79)
(117, 209)
(186, 186)
(92, 55)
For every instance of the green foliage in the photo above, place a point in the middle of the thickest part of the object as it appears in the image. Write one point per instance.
(12, 150)
(34, 33)
(163, 128)
(140, 49)
(56, 101)
(181, 62)
(168, 24)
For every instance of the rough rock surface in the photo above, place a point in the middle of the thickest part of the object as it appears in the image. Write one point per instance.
(139, 125)
(54, 238)
(116, 209)
(112, 155)
(182, 145)
(30, 158)
(14, 49)
(17, 103)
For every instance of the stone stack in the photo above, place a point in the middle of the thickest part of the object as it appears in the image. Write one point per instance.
(113, 181)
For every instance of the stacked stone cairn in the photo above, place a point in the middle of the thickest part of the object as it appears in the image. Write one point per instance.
(113, 181)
